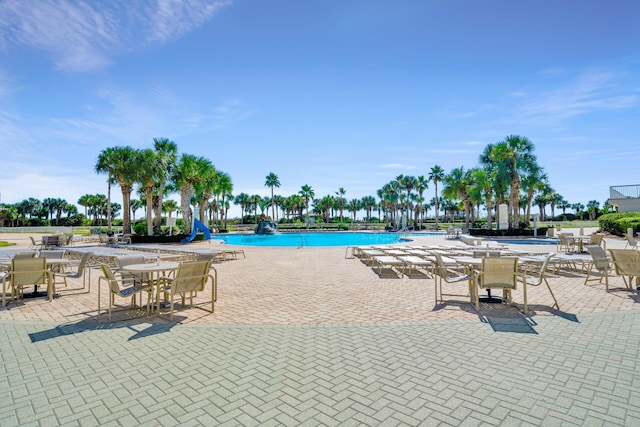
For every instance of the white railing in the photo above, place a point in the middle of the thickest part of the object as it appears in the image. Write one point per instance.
(624, 192)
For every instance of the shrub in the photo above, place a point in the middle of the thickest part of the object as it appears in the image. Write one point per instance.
(618, 223)
(542, 231)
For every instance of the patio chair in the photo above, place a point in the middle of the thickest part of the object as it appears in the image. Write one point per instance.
(79, 273)
(137, 278)
(631, 241)
(119, 288)
(497, 273)
(601, 263)
(27, 272)
(125, 239)
(484, 253)
(566, 242)
(65, 239)
(34, 244)
(597, 239)
(23, 255)
(49, 254)
(103, 238)
(190, 278)
(50, 241)
(626, 263)
(450, 274)
(537, 279)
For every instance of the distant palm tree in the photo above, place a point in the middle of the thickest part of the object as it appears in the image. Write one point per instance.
(223, 189)
(368, 203)
(307, 194)
(255, 201)
(457, 184)
(340, 193)
(436, 175)
(354, 206)
(272, 181)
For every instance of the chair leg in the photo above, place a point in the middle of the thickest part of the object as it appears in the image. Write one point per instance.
(552, 295)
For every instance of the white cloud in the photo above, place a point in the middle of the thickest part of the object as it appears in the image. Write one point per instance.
(590, 92)
(85, 35)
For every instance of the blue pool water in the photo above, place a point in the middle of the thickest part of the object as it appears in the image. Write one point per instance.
(315, 239)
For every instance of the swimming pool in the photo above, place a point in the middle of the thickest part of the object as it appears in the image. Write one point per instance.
(316, 239)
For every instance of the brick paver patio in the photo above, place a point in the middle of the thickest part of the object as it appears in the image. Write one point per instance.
(309, 337)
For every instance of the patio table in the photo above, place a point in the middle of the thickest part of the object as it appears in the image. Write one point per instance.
(158, 268)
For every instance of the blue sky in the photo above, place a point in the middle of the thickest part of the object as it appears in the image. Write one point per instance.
(329, 93)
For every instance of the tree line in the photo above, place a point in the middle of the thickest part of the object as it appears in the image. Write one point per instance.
(507, 172)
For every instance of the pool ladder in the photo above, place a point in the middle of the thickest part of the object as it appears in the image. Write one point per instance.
(303, 241)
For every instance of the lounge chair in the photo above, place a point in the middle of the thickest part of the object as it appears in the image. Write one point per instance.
(191, 277)
(413, 262)
(388, 261)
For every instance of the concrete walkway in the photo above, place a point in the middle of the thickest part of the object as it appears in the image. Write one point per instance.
(307, 337)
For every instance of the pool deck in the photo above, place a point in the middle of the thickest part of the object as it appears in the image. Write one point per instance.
(309, 337)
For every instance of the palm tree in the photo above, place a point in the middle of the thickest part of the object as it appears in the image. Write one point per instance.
(169, 206)
(135, 205)
(457, 183)
(483, 188)
(255, 201)
(242, 200)
(272, 181)
(223, 189)
(147, 163)
(307, 194)
(84, 202)
(368, 203)
(354, 206)
(185, 175)
(204, 189)
(592, 208)
(533, 180)
(118, 164)
(517, 153)
(436, 175)
(165, 159)
(340, 200)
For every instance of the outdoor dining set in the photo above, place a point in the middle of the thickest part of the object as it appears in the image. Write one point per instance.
(163, 278)
(499, 268)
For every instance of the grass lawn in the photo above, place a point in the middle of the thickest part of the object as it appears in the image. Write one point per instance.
(6, 244)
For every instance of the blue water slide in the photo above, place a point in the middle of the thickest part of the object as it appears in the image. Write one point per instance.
(197, 225)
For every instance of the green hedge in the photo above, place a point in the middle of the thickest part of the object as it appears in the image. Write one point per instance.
(527, 232)
(176, 238)
(618, 223)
